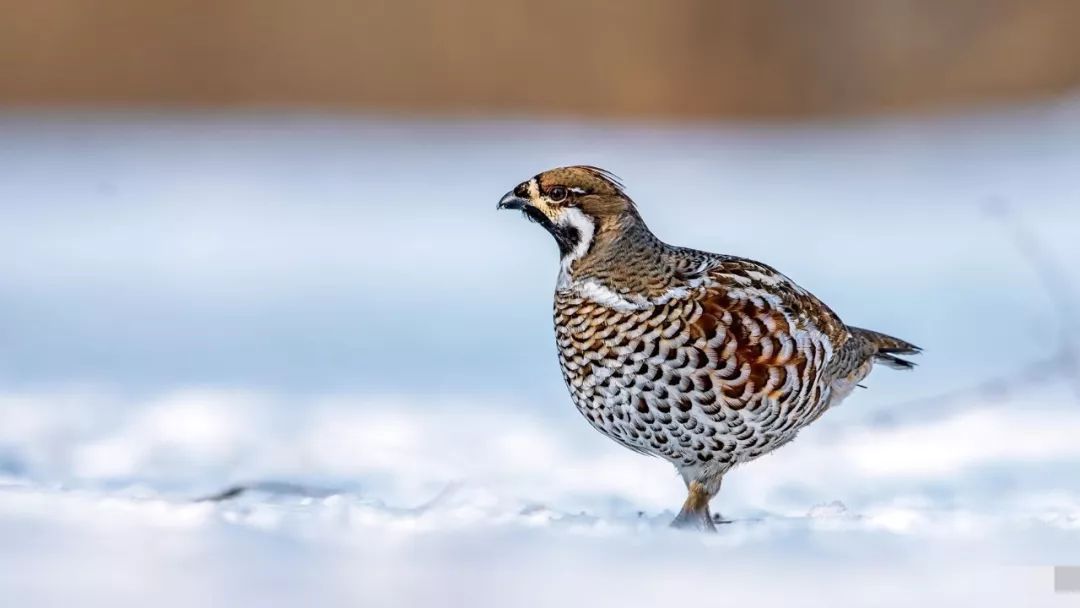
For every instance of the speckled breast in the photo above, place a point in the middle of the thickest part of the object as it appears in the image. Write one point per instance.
(705, 380)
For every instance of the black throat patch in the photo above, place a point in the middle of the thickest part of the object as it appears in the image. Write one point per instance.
(566, 237)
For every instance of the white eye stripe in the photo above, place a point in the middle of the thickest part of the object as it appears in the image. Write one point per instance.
(576, 190)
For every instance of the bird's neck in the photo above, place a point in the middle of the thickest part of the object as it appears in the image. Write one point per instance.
(622, 255)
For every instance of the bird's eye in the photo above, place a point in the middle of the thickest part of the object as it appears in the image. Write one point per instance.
(557, 194)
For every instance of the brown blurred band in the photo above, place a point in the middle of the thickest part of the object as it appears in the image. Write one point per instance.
(641, 58)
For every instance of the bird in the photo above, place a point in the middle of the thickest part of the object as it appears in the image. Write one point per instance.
(705, 360)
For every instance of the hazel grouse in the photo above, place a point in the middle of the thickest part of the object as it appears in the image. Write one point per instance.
(705, 360)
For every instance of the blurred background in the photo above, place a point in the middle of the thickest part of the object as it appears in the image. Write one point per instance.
(254, 245)
(734, 59)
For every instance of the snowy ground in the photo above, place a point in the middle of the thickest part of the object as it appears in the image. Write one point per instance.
(331, 312)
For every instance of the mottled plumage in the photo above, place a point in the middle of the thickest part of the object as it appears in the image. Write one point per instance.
(705, 360)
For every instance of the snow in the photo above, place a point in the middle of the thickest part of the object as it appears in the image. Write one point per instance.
(328, 313)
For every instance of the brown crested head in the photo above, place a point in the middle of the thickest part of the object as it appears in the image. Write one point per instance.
(597, 192)
(575, 204)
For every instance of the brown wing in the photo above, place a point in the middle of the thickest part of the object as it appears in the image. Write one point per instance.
(768, 338)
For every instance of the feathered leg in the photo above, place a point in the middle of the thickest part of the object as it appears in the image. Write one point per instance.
(695, 511)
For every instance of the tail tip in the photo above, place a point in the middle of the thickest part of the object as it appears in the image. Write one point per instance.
(890, 360)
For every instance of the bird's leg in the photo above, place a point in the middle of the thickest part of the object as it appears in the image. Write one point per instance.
(695, 511)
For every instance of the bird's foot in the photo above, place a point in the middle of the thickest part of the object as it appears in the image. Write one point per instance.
(694, 520)
(695, 511)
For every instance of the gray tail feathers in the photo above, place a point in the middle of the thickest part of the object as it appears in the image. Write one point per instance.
(886, 348)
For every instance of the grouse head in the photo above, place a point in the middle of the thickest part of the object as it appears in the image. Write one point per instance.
(577, 205)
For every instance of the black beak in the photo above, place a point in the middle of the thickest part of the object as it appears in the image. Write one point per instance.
(565, 238)
(512, 201)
